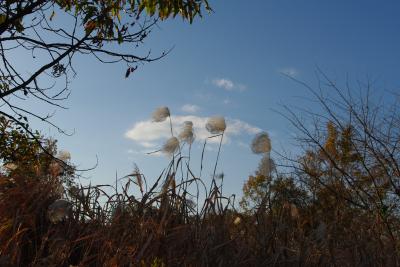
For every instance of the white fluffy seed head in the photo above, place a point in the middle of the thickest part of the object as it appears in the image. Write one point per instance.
(237, 221)
(64, 155)
(160, 114)
(187, 134)
(55, 169)
(10, 166)
(171, 146)
(216, 125)
(261, 143)
(58, 210)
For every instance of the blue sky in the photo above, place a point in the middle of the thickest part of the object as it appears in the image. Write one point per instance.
(228, 63)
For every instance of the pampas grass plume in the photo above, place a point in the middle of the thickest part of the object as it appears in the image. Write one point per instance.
(58, 210)
(261, 143)
(187, 134)
(64, 155)
(10, 166)
(237, 221)
(161, 114)
(170, 146)
(216, 125)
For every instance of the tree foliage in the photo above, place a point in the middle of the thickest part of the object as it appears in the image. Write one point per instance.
(48, 34)
(341, 192)
(31, 156)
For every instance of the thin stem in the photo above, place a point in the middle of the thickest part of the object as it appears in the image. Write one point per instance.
(202, 157)
(219, 150)
(170, 124)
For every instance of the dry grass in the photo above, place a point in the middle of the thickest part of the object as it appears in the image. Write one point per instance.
(338, 206)
(161, 227)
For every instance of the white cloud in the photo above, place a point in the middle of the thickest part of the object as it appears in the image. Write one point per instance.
(190, 108)
(147, 144)
(289, 71)
(226, 101)
(243, 145)
(228, 85)
(147, 131)
(224, 83)
(149, 134)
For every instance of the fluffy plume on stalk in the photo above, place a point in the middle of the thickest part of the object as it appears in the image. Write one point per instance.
(59, 210)
(261, 143)
(55, 169)
(237, 221)
(136, 173)
(187, 134)
(171, 146)
(216, 125)
(161, 114)
(10, 166)
(64, 155)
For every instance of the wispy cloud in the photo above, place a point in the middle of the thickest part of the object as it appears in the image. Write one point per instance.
(188, 108)
(226, 101)
(243, 145)
(228, 84)
(224, 83)
(289, 71)
(150, 135)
